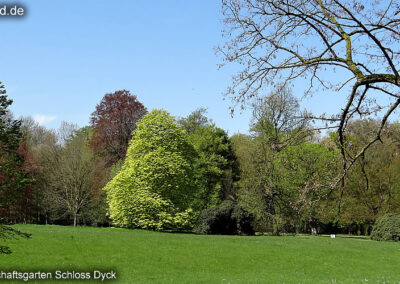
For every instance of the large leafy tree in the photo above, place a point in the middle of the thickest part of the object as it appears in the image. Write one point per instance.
(305, 173)
(113, 121)
(154, 187)
(12, 178)
(275, 127)
(216, 167)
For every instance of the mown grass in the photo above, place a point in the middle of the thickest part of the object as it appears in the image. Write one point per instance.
(152, 257)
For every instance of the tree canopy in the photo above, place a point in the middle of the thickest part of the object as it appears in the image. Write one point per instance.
(154, 189)
(216, 167)
(12, 180)
(113, 121)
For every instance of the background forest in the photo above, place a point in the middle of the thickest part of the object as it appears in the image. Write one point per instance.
(138, 169)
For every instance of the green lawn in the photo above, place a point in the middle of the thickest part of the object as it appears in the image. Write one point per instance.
(152, 257)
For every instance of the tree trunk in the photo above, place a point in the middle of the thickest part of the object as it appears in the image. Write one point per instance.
(313, 231)
(75, 218)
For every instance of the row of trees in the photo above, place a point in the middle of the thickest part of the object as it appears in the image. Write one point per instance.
(170, 175)
(167, 171)
(68, 168)
(289, 176)
(335, 47)
(283, 173)
(61, 172)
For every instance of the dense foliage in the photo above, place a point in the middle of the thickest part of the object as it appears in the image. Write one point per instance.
(280, 178)
(154, 189)
(274, 130)
(112, 122)
(387, 228)
(227, 218)
(13, 177)
(305, 173)
(216, 167)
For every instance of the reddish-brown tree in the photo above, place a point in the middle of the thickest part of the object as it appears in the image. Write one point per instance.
(113, 122)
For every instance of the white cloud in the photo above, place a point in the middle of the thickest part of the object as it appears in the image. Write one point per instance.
(43, 119)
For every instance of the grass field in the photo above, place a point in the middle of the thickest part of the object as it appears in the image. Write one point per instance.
(152, 257)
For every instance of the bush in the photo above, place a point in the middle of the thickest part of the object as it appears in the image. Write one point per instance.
(387, 228)
(227, 218)
(244, 220)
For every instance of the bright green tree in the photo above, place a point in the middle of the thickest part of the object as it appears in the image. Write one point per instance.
(216, 167)
(154, 189)
(305, 174)
(251, 193)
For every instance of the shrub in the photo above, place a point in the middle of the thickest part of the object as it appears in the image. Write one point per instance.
(227, 218)
(387, 228)
(244, 220)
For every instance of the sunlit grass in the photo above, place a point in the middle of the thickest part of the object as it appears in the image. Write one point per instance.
(148, 257)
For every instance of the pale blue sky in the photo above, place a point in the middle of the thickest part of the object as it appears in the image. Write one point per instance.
(59, 60)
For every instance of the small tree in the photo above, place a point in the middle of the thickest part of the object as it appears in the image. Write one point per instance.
(155, 182)
(75, 174)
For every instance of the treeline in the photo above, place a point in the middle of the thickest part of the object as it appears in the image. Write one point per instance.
(140, 169)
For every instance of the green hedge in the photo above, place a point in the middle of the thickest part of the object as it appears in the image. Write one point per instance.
(228, 218)
(387, 228)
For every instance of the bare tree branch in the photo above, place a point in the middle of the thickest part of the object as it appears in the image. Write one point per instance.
(283, 42)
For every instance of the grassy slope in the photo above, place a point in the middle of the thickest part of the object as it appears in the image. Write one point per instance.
(143, 256)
